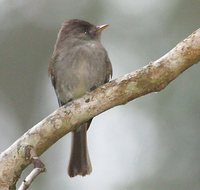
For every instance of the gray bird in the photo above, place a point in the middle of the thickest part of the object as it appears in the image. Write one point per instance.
(79, 64)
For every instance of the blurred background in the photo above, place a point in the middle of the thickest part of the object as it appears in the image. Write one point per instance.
(152, 142)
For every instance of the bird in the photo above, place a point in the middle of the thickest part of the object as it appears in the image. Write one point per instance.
(79, 64)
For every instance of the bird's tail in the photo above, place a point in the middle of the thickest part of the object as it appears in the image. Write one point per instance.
(79, 163)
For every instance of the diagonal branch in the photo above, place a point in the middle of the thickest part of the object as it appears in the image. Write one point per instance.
(151, 78)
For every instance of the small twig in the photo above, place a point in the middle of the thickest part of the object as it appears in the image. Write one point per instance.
(39, 167)
(29, 179)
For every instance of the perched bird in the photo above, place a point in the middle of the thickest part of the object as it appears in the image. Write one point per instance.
(79, 64)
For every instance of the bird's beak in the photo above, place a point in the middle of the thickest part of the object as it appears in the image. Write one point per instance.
(101, 28)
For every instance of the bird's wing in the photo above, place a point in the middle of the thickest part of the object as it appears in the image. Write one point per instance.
(51, 73)
(109, 68)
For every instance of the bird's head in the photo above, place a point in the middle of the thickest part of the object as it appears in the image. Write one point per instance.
(81, 30)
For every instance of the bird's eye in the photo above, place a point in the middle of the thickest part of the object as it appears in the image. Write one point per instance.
(86, 31)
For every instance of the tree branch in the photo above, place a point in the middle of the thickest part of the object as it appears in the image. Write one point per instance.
(151, 78)
(39, 167)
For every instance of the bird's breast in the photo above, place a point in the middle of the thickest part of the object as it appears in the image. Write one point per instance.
(79, 70)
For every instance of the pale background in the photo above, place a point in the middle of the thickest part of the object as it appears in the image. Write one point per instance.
(151, 143)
